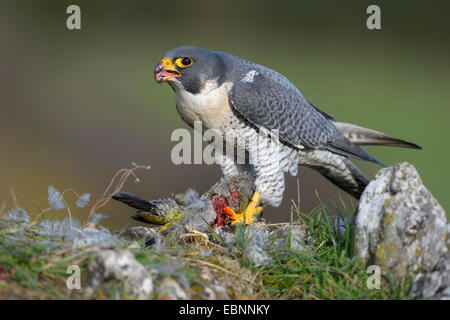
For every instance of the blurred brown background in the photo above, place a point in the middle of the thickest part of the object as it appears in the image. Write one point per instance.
(76, 106)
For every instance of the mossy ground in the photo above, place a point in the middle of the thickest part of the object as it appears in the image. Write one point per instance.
(33, 270)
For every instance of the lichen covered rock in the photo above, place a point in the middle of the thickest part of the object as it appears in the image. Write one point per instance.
(170, 289)
(120, 265)
(256, 243)
(402, 228)
(291, 236)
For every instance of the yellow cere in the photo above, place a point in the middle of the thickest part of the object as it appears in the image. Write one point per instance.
(168, 64)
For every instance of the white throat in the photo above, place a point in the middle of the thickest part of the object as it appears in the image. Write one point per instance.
(210, 105)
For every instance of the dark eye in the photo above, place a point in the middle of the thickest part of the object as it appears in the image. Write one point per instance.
(186, 61)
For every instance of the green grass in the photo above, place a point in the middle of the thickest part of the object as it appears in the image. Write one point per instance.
(29, 270)
(325, 271)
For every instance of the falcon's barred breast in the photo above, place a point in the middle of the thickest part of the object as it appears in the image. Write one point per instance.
(260, 113)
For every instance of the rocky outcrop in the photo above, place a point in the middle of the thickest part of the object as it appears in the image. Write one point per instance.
(170, 289)
(402, 228)
(399, 226)
(122, 266)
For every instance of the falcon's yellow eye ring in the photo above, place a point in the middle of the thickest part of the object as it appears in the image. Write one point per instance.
(184, 62)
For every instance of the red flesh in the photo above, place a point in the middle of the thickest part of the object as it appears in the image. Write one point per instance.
(219, 204)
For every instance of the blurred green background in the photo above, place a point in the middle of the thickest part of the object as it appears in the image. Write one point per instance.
(76, 106)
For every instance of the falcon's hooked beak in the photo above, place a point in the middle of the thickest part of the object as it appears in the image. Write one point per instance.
(165, 70)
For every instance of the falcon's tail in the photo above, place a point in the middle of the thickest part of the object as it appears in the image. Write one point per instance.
(337, 169)
(365, 137)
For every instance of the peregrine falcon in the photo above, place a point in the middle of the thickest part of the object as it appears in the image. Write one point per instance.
(259, 113)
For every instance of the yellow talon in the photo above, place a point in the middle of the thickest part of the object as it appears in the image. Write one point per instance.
(251, 211)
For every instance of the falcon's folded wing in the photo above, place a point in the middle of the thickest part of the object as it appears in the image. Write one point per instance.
(271, 101)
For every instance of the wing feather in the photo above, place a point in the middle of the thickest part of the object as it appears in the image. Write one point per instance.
(266, 98)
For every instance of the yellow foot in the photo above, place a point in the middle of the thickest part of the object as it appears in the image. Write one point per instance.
(243, 216)
(251, 211)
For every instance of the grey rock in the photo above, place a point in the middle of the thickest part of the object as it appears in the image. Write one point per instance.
(227, 234)
(208, 294)
(258, 256)
(402, 228)
(256, 243)
(214, 289)
(170, 289)
(122, 266)
(291, 236)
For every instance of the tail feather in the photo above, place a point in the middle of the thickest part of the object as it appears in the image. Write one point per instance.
(366, 137)
(155, 207)
(350, 180)
(337, 169)
(333, 163)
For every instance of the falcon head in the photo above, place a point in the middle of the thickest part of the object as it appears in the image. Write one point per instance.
(188, 68)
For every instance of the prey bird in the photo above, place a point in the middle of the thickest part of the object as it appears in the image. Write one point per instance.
(259, 112)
